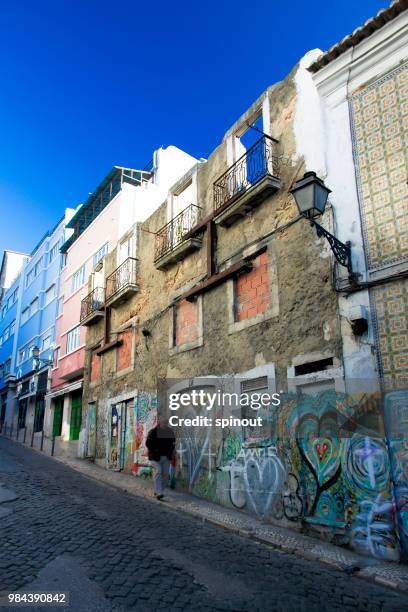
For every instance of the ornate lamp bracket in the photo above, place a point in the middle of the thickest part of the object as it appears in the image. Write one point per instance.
(341, 250)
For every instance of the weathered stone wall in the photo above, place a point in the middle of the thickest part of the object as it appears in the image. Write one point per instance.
(298, 316)
(305, 300)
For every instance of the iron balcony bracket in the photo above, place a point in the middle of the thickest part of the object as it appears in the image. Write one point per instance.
(341, 250)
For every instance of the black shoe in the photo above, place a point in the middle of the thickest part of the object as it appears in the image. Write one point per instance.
(159, 497)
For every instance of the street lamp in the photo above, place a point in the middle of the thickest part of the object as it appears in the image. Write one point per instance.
(35, 352)
(311, 195)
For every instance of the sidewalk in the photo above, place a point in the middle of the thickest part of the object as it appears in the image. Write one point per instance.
(393, 575)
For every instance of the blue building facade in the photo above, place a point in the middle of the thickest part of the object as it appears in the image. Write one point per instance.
(27, 332)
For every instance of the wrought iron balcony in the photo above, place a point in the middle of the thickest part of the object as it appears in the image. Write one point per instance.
(171, 242)
(122, 282)
(92, 306)
(249, 181)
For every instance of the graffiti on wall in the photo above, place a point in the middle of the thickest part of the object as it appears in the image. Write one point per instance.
(257, 475)
(113, 456)
(145, 418)
(396, 420)
(314, 470)
(91, 430)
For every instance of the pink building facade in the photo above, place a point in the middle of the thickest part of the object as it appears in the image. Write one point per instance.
(125, 197)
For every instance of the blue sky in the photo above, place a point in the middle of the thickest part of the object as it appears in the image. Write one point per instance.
(89, 84)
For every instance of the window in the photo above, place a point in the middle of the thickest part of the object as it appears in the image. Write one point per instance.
(252, 293)
(25, 314)
(126, 248)
(10, 302)
(46, 343)
(7, 366)
(1, 341)
(60, 306)
(100, 253)
(22, 355)
(186, 322)
(12, 327)
(53, 252)
(29, 277)
(249, 137)
(78, 279)
(38, 266)
(49, 294)
(34, 306)
(73, 339)
(3, 311)
(15, 294)
(254, 388)
(314, 366)
(56, 356)
(182, 199)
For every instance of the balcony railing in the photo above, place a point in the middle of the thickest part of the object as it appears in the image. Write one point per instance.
(257, 163)
(172, 234)
(93, 302)
(122, 278)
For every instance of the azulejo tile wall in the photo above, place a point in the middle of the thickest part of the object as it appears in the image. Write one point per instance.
(391, 312)
(380, 138)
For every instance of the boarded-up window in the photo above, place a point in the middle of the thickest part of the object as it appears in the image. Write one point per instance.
(125, 350)
(186, 322)
(252, 291)
(95, 367)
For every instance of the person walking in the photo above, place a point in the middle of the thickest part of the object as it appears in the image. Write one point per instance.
(160, 444)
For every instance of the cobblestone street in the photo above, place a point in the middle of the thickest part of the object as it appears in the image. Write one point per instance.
(110, 550)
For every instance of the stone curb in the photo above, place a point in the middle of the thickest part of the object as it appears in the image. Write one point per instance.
(372, 571)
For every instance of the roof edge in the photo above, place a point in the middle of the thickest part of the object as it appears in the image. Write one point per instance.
(374, 24)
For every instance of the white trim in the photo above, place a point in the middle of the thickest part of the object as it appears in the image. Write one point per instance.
(81, 346)
(68, 389)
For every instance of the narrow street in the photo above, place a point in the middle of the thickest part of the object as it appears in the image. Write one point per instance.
(109, 550)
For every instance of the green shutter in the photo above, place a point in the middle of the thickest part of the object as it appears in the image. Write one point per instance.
(76, 417)
(57, 422)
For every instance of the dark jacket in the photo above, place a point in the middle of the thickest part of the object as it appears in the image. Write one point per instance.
(160, 442)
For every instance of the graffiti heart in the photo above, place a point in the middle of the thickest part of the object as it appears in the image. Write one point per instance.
(322, 453)
(263, 479)
(257, 476)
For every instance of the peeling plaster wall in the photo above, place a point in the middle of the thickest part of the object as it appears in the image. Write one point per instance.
(324, 141)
